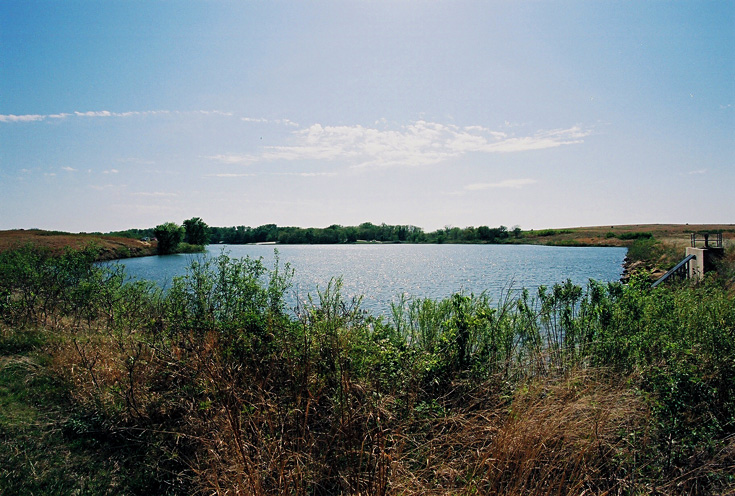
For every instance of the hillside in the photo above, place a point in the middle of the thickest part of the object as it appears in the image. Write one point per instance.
(674, 234)
(111, 247)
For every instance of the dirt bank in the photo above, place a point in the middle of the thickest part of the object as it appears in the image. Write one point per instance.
(110, 247)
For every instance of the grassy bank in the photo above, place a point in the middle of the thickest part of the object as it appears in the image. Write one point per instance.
(108, 247)
(216, 387)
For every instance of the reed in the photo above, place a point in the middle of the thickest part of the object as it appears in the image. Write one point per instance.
(600, 389)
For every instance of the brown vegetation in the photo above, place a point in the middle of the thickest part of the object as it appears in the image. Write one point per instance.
(675, 234)
(214, 388)
(110, 247)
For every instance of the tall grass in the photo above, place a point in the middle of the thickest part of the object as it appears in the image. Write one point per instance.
(599, 389)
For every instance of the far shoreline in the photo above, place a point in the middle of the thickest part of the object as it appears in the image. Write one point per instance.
(615, 236)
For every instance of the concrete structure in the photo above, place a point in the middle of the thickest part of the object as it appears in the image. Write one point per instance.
(705, 256)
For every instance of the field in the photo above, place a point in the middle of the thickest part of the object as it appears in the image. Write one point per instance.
(674, 234)
(111, 247)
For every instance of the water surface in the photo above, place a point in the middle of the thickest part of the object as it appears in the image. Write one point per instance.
(381, 273)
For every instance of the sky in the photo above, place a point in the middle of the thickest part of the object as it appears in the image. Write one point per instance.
(122, 114)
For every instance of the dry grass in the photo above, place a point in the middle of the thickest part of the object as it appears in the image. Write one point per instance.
(564, 436)
(111, 247)
(266, 405)
(673, 234)
(580, 433)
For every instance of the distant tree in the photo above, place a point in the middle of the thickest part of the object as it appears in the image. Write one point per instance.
(350, 235)
(196, 231)
(266, 232)
(483, 232)
(169, 235)
(367, 231)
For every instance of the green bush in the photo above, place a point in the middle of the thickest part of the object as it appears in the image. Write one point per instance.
(629, 235)
(215, 383)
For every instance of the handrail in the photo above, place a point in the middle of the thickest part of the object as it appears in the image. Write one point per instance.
(673, 271)
(711, 240)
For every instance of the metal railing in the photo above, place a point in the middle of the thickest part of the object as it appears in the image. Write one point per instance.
(680, 270)
(711, 240)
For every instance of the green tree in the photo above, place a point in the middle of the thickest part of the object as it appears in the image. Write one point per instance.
(197, 232)
(169, 235)
(483, 232)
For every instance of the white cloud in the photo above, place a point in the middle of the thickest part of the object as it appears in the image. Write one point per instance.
(106, 113)
(110, 171)
(21, 118)
(253, 119)
(233, 159)
(699, 171)
(69, 169)
(211, 112)
(102, 113)
(261, 120)
(507, 183)
(417, 144)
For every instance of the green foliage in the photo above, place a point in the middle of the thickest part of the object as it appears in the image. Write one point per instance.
(629, 235)
(645, 250)
(196, 232)
(184, 247)
(35, 282)
(169, 235)
(365, 232)
(134, 233)
(549, 232)
(215, 383)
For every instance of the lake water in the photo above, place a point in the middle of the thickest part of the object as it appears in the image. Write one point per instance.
(381, 273)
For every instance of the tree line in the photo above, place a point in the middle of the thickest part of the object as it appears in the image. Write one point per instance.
(196, 232)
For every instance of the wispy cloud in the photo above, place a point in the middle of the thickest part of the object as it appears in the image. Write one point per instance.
(306, 174)
(698, 171)
(21, 118)
(110, 171)
(417, 144)
(229, 175)
(261, 120)
(69, 169)
(232, 159)
(106, 113)
(507, 183)
(155, 194)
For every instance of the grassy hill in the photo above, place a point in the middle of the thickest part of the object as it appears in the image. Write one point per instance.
(111, 247)
(624, 235)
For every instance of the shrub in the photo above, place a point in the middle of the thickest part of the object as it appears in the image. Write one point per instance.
(220, 389)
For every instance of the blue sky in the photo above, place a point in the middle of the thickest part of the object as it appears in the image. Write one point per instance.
(122, 113)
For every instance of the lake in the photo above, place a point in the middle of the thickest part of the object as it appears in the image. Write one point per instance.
(383, 272)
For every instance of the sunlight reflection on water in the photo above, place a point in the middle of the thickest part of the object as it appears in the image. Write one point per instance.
(381, 273)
